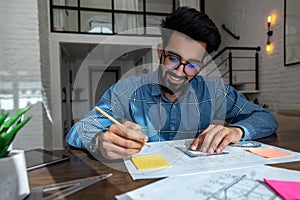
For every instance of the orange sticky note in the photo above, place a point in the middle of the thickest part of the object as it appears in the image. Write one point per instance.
(150, 162)
(269, 152)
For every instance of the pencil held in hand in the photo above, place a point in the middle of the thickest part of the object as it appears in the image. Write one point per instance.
(108, 116)
(113, 120)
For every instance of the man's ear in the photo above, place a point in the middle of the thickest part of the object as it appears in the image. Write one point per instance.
(159, 50)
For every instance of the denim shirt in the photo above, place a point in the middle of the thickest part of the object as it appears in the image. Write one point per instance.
(140, 100)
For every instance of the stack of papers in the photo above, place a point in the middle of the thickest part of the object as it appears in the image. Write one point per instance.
(239, 174)
(173, 161)
(246, 183)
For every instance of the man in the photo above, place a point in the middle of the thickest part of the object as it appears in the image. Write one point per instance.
(174, 102)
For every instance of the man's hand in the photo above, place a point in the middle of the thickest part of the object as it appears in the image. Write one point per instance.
(122, 142)
(216, 137)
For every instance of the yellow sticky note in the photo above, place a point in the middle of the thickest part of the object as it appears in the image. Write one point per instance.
(150, 162)
(269, 152)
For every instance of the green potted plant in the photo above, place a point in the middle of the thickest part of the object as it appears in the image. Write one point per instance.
(13, 173)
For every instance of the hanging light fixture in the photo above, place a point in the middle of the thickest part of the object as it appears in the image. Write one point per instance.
(269, 46)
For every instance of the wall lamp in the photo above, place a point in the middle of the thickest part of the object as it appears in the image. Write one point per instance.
(269, 45)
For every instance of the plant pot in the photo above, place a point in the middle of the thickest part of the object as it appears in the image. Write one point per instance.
(13, 176)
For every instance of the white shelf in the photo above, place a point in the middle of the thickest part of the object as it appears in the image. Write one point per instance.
(249, 91)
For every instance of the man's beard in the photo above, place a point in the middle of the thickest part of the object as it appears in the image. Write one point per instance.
(166, 85)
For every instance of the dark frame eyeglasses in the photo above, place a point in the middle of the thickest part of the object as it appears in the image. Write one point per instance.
(173, 61)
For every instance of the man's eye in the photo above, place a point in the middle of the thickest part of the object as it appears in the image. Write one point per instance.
(173, 59)
(192, 65)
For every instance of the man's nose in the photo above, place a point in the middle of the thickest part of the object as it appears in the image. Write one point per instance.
(180, 69)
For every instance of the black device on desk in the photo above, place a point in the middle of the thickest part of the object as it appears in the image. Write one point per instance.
(37, 158)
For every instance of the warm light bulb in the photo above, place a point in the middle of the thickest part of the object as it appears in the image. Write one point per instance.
(269, 19)
(269, 47)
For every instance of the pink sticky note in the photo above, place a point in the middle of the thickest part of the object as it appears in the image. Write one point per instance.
(269, 152)
(286, 189)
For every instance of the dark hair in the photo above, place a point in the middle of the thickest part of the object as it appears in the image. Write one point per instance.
(194, 24)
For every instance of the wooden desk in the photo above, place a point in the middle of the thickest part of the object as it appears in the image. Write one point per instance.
(82, 165)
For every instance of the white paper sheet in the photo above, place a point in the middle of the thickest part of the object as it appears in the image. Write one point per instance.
(183, 164)
(246, 183)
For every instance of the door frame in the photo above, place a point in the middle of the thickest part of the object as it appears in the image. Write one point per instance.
(93, 69)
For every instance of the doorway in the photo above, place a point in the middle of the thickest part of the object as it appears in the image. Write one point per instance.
(100, 81)
(84, 81)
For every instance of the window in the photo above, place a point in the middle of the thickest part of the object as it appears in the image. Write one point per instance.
(65, 20)
(96, 22)
(161, 6)
(109, 16)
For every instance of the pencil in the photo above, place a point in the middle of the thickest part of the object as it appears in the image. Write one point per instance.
(113, 120)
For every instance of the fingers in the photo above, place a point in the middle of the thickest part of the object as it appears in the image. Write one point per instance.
(132, 125)
(196, 143)
(130, 131)
(122, 141)
(225, 142)
(215, 138)
(111, 151)
(234, 136)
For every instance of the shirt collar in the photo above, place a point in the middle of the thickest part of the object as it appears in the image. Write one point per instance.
(155, 88)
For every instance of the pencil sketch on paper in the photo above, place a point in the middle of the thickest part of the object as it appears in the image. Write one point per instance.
(235, 157)
(230, 186)
(243, 184)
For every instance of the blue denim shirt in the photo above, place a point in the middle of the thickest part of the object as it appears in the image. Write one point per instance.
(140, 100)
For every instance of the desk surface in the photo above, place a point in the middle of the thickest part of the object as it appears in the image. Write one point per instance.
(82, 165)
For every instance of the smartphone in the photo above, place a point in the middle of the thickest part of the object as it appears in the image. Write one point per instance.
(37, 158)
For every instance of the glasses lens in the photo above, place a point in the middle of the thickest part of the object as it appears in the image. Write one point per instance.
(172, 62)
(192, 69)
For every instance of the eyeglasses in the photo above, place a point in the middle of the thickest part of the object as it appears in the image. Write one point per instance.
(173, 61)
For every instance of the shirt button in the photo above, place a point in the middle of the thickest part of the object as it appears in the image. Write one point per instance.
(172, 128)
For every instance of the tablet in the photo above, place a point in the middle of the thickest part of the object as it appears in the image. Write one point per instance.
(37, 158)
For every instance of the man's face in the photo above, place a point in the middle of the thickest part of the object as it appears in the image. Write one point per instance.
(184, 51)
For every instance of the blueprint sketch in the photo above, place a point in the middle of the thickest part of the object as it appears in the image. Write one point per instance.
(183, 164)
(242, 184)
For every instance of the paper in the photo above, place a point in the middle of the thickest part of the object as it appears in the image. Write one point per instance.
(245, 183)
(269, 152)
(150, 162)
(184, 164)
(286, 189)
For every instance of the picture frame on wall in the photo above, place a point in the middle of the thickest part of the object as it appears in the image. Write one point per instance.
(291, 32)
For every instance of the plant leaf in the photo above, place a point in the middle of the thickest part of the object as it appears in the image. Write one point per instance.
(2, 135)
(5, 126)
(2, 118)
(10, 136)
(3, 152)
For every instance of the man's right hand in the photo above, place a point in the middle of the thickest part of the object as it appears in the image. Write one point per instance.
(122, 142)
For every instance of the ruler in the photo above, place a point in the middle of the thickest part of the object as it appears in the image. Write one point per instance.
(70, 188)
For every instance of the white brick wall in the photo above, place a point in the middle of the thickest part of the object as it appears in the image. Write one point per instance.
(45, 70)
(279, 85)
(25, 62)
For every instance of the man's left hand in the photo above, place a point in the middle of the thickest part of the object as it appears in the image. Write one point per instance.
(216, 137)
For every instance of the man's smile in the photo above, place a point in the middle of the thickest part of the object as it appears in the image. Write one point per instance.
(175, 79)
